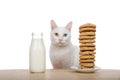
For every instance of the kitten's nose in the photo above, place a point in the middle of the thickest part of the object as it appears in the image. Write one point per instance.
(60, 39)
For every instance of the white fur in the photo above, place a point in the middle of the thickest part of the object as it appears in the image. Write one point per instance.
(63, 54)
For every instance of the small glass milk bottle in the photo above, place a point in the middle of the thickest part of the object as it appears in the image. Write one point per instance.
(37, 54)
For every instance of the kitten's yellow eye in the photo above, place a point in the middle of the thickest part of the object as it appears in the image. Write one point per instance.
(56, 34)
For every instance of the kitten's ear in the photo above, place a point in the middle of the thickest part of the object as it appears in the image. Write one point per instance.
(53, 24)
(69, 26)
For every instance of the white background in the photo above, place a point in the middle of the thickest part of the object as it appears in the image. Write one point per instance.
(19, 18)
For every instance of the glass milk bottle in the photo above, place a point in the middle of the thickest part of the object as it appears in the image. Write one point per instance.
(37, 53)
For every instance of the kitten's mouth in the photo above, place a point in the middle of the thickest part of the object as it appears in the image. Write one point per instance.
(60, 43)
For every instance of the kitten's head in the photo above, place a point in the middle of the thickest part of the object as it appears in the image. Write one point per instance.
(60, 36)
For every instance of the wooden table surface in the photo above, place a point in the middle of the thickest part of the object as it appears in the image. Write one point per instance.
(52, 74)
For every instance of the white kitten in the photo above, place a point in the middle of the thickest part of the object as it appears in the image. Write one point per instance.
(63, 54)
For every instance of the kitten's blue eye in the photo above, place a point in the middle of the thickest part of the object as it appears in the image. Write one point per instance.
(65, 35)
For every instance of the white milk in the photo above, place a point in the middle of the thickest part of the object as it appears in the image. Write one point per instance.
(37, 54)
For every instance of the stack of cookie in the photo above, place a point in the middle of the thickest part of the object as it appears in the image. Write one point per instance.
(87, 45)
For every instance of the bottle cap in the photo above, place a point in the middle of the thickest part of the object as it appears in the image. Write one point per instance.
(37, 35)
